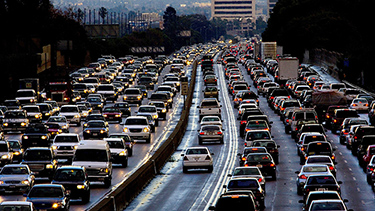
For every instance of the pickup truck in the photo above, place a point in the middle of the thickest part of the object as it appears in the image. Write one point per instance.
(209, 107)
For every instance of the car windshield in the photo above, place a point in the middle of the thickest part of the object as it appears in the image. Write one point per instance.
(105, 88)
(14, 144)
(65, 138)
(31, 109)
(69, 109)
(25, 94)
(327, 206)
(319, 148)
(94, 99)
(95, 124)
(15, 170)
(257, 124)
(116, 144)
(314, 169)
(253, 135)
(91, 155)
(242, 184)
(122, 105)
(267, 144)
(209, 103)
(111, 109)
(210, 128)
(14, 115)
(147, 109)
(79, 86)
(46, 192)
(34, 129)
(319, 160)
(159, 96)
(197, 151)
(321, 180)
(234, 203)
(136, 122)
(210, 119)
(246, 171)
(37, 155)
(57, 119)
(15, 207)
(69, 175)
(344, 114)
(258, 158)
(132, 91)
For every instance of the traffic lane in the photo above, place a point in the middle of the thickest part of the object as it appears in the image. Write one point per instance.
(192, 190)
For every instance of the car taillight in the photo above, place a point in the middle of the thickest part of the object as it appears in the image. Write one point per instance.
(201, 133)
(185, 158)
(327, 116)
(272, 165)
(243, 122)
(260, 180)
(331, 168)
(302, 176)
(287, 121)
(354, 104)
(335, 120)
(333, 157)
(246, 165)
(219, 133)
(208, 157)
(243, 159)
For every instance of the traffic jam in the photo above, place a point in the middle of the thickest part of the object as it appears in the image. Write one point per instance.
(56, 142)
(308, 106)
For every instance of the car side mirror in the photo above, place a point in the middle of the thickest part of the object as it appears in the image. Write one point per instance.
(271, 122)
(301, 201)
(212, 207)
(182, 155)
(25, 195)
(297, 172)
(224, 186)
(229, 175)
(345, 200)
(339, 182)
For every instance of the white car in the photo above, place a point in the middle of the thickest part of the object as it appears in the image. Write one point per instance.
(149, 109)
(61, 120)
(306, 171)
(137, 127)
(211, 120)
(197, 158)
(65, 144)
(71, 113)
(359, 104)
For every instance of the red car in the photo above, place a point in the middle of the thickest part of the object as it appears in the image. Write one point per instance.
(112, 114)
(369, 153)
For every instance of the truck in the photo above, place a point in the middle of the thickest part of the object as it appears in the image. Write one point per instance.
(60, 92)
(30, 83)
(287, 69)
(321, 100)
(268, 50)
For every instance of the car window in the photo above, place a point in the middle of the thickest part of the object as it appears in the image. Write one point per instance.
(242, 184)
(198, 151)
(321, 180)
(315, 169)
(91, 155)
(64, 138)
(49, 192)
(37, 155)
(246, 171)
(69, 175)
(14, 170)
(327, 206)
(258, 157)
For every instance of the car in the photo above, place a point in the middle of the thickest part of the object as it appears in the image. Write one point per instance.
(36, 135)
(210, 133)
(264, 162)
(33, 113)
(359, 104)
(46, 110)
(49, 196)
(320, 182)
(6, 153)
(248, 150)
(129, 142)
(161, 108)
(339, 116)
(108, 91)
(119, 153)
(41, 161)
(306, 171)
(197, 158)
(17, 149)
(149, 109)
(15, 120)
(137, 127)
(248, 183)
(306, 138)
(97, 103)
(61, 120)
(112, 114)
(95, 156)
(249, 171)
(318, 148)
(75, 181)
(345, 126)
(257, 125)
(331, 204)
(84, 109)
(95, 129)
(64, 145)
(54, 129)
(271, 147)
(124, 108)
(211, 91)
(72, 114)
(17, 205)
(211, 120)
(319, 195)
(364, 146)
(16, 178)
(235, 200)
(253, 135)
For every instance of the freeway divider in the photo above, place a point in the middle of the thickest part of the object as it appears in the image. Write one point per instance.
(119, 198)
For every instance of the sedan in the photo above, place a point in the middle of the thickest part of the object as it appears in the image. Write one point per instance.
(306, 171)
(16, 178)
(48, 196)
(95, 129)
(112, 114)
(61, 120)
(359, 104)
(197, 158)
(321, 182)
(211, 120)
(264, 162)
(249, 171)
(211, 133)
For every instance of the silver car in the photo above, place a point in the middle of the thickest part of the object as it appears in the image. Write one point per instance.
(211, 133)
(249, 171)
(306, 171)
(16, 178)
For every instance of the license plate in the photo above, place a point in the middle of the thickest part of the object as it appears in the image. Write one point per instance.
(259, 165)
(110, 118)
(42, 210)
(68, 191)
(34, 143)
(95, 134)
(12, 186)
(322, 189)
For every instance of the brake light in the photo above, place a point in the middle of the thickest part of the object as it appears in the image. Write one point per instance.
(354, 104)
(244, 159)
(287, 121)
(260, 180)
(243, 122)
(333, 157)
(327, 116)
(272, 165)
(219, 133)
(246, 165)
(302, 176)
(334, 120)
(201, 133)
(331, 168)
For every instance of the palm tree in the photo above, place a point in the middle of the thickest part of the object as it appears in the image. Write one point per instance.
(103, 13)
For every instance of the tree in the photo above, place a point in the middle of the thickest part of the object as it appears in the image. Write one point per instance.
(103, 13)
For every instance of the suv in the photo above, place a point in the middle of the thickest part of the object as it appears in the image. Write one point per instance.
(107, 91)
(161, 108)
(119, 153)
(41, 161)
(137, 127)
(15, 120)
(209, 107)
(95, 156)
(301, 114)
(33, 113)
(317, 148)
(65, 144)
(72, 113)
(339, 116)
(235, 200)
(6, 153)
(75, 181)
(37, 135)
(149, 109)
(358, 135)
(277, 92)
(133, 95)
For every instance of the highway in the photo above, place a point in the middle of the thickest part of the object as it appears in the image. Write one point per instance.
(141, 153)
(174, 190)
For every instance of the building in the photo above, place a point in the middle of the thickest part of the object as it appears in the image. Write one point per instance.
(271, 5)
(240, 12)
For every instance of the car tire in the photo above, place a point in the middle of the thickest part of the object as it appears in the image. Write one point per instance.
(107, 182)
(184, 169)
(86, 198)
(148, 140)
(130, 152)
(210, 169)
(125, 163)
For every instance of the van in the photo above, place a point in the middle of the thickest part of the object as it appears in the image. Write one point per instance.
(95, 156)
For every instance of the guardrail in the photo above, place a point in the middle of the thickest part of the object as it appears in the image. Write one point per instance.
(120, 198)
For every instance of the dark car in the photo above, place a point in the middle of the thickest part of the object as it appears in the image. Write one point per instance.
(129, 142)
(95, 129)
(54, 129)
(41, 161)
(330, 111)
(36, 135)
(49, 197)
(46, 110)
(339, 116)
(17, 150)
(235, 200)
(96, 102)
(358, 134)
(248, 150)
(112, 114)
(317, 148)
(367, 140)
(264, 162)
(271, 147)
(124, 108)
(75, 181)
(310, 127)
(275, 93)
(321, 182)
(147, 81)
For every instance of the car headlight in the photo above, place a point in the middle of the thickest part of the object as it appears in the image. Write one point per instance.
(75, 147)
(80, 186)
(54, 147)
(31, 100)
(164, 110)
(44, 137)
(56, 205)
(16, 153)
(25, 182)
(1, 182)
(139, 97)
(76, 116)
(126, 130)
(36, 116)
(125, 97)
(104, 170)
(4, 157)
(22, 124)
(25, 137)
(105, 115)
(87, 131)
(155, 116)
(47, 114)
(118, 115)
(122, 153)
(102, 131)
(5, 124)
(49, 166)
(146, 130)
